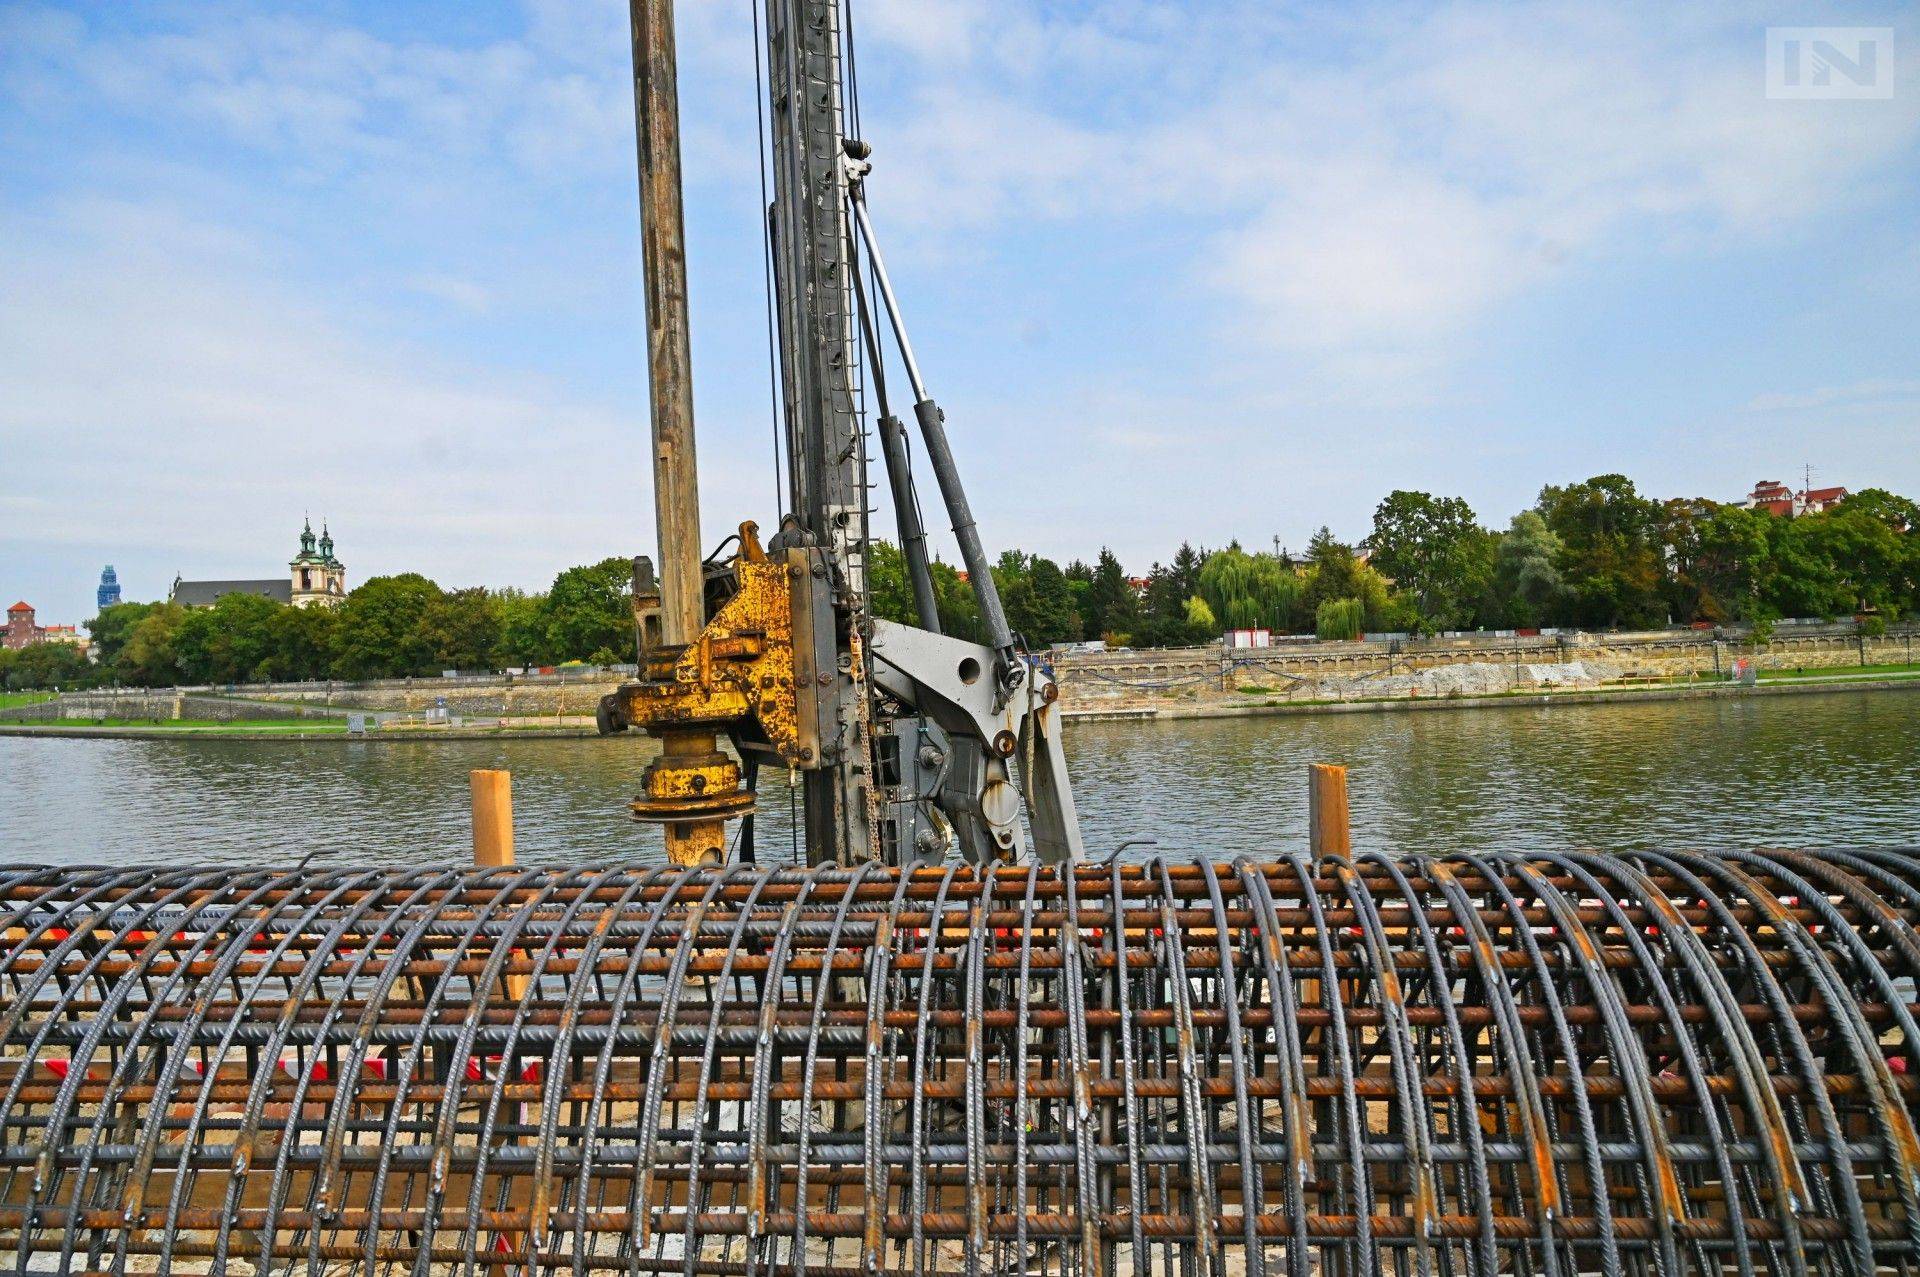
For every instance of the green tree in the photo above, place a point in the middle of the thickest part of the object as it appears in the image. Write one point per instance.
(1339, 619)
(1010, 573)
(1079, 574)
(380, 634)
(302, 640)
(1802, 580)
(1898, 513)
(1611, 560)
(1056, 619)
(1380, 607)
(1432, 549)
(1527, 569)
(1113, 606)
(113, 627)
(1250, 591)
(1186, 566)
(48, 665)
(887, 584)
(1201, 617)
(959, 608)
(1010, 569)
(229, 642)
(1719, 560)
(523, 628)
(1849, 561)
(1039, 604)
(148, 658)
(1898, 586)
(590, 609)
(1332, 571)
(1479, 593)
(1167, 618)
(461, 629)
(1681, 524)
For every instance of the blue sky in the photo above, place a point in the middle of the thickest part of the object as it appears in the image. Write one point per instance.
(1197, 271)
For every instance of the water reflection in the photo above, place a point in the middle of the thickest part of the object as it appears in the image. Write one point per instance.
(1836, 768)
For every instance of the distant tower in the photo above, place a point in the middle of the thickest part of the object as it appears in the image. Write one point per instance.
(109, 592)
(319, 579)
(21, 631)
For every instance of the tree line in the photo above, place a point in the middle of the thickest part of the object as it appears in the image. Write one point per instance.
(1593, 555)
(388, 627)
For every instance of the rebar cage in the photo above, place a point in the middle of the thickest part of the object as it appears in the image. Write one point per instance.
(1462, 1065)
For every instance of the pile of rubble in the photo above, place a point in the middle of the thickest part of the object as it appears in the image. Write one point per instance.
(1473, 678)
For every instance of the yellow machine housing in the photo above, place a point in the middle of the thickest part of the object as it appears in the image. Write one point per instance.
(740, 676)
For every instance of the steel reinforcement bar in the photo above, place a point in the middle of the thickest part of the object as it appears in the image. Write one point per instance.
(1435, 1066)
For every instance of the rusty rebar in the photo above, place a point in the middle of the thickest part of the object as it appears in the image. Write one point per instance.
(1435, 1066)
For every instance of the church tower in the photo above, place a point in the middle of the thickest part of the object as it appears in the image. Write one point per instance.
(319, 579)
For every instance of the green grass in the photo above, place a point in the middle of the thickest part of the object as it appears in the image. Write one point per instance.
(191, 725)
(311, 727)
(9, 699)
(1831, 671)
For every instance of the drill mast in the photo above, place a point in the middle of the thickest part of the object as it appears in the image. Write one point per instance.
(909, 743)
(825, 435)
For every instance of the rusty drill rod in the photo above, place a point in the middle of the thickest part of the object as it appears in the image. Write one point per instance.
(676, 484)
(1657, 1063)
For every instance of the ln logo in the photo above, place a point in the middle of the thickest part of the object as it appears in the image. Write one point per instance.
(1829, 62)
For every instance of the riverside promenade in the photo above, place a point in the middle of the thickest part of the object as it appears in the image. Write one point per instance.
(1369, 675)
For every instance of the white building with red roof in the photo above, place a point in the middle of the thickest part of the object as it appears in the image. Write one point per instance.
(1775, 497)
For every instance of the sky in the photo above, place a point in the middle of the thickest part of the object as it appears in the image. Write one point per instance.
(1177, 271)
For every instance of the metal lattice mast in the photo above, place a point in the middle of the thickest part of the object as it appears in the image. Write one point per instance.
(825, 435)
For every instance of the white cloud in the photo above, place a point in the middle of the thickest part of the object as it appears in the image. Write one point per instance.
(320, 97)
(162, 394)
(463, 293)
(1340, 202)
(1358, 252)
(1380, 185)
(1380, 188)
(939, 29)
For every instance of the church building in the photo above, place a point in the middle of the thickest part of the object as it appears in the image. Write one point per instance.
(319, 579)
(315, 579)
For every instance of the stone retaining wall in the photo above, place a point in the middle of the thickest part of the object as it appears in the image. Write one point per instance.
(464, 698)
(159, 706)
(1189, 672)
(1106, 678)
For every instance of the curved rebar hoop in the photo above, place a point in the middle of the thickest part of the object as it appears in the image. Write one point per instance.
(1450, 1066)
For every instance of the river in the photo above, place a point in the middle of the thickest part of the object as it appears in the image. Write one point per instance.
(1841, 768)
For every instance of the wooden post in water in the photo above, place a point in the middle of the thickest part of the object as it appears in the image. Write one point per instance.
(1327, 831)
(492, 818)
(493, 849)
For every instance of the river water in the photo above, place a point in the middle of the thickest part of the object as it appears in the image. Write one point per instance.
(1840, 768)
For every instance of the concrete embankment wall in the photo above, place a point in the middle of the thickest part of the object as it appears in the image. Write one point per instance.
(1099, 680)
(162, 706)
(462, 697)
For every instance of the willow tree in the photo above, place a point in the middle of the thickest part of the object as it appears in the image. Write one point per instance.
(1249, 591)
(1339, 619)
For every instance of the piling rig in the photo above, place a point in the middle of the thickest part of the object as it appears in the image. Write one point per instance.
(869, 1064)
(910, 743)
